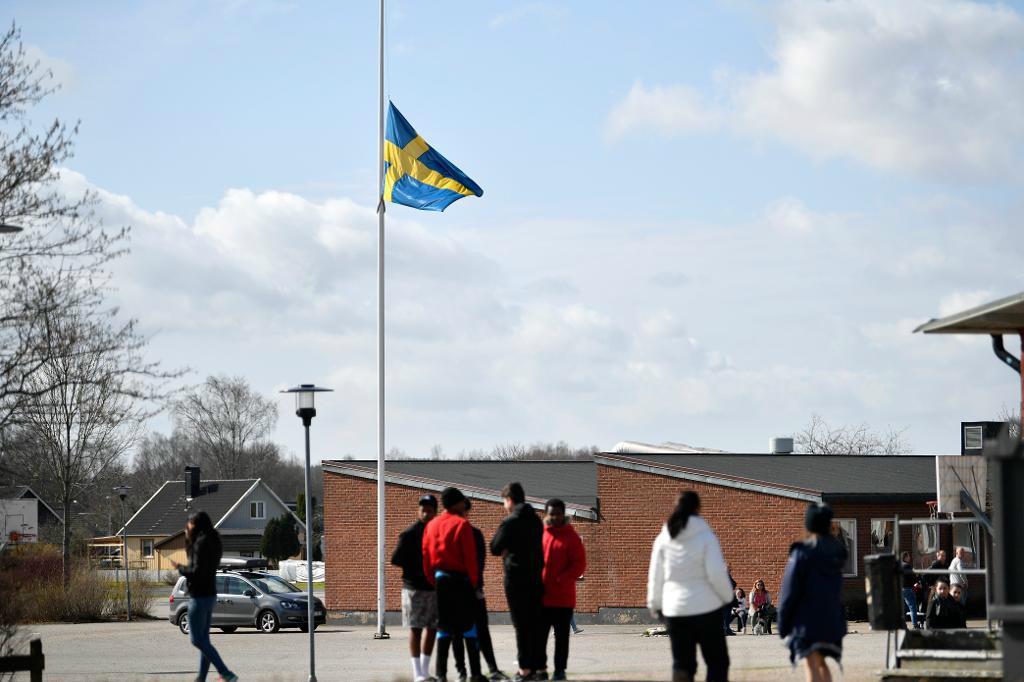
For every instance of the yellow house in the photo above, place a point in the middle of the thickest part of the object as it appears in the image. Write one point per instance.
(239, 509)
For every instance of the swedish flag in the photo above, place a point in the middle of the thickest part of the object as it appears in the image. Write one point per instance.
(416, 175)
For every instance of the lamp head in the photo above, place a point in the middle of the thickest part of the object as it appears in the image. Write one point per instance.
(122, 491)
(9, 229)
(305, 402)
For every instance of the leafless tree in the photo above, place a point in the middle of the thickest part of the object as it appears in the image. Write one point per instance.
(1012, 418)
(230, 422)
(55, 267)
(85, 407)
(820, 438)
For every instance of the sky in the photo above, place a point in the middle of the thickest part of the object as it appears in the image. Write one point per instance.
(701, 222)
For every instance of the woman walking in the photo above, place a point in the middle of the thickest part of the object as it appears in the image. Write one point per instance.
(811, 617)
(687, 586)
(202, 544)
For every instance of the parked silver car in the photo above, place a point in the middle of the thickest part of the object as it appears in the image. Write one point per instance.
(250, 598)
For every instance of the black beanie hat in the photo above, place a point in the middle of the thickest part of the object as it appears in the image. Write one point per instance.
(451, 497)
(818, 519)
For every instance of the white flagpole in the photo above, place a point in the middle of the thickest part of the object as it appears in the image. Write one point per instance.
(381, 631)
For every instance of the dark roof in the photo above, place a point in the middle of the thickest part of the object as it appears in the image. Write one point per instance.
(18, 492)
(573, 481)
(836, 477)
(167, 511)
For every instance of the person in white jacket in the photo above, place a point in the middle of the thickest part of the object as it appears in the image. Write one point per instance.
(687, 586)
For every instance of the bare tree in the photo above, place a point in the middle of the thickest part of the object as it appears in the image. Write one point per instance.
(83, 413)
(230, 422)
(822, 439)
(1012, 419)
(55, 267)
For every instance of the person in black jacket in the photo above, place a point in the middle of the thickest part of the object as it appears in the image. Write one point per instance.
(203, 547)
(811, 617)
(419, 600)
(943, 610)
(519, 541)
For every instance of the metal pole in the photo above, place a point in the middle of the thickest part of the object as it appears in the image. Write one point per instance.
(381, 632)
(124, 550)
(310, 622)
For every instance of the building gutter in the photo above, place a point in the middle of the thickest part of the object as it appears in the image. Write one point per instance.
(473, 493)
(636, 463)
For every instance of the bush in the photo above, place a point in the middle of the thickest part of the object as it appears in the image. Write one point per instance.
(32, 584)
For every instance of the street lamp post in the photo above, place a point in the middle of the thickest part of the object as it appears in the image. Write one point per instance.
(305, 409)
(122, 492)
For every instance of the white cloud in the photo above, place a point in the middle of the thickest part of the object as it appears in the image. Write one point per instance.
(63, 72)
(665, 110)
(931, 88)
(541, 12)
(789, 216)
(959, 301)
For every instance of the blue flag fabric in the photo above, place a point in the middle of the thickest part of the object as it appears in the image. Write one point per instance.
(415, 174)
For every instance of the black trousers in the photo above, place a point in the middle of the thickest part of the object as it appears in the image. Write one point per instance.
(528, 620)
(558, 619)
(687, 632)
(483, 635)
(456, 619)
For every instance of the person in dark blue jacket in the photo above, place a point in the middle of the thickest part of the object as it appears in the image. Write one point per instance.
(811, 617)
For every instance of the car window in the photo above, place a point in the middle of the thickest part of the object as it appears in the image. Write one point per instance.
(270, 584)
(236, 585)
(222, 584)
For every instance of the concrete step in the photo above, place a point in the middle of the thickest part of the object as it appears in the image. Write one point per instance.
(938, 675)
(950, 659)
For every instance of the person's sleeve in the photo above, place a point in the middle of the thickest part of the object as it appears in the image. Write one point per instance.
(481, 549)
(929, 616)
(499, 543)
(655, 576)
(189, 570)
(577, 559)
(468, 544)
(428, 567)
(716, 569)
(398, 556)
(789, 594)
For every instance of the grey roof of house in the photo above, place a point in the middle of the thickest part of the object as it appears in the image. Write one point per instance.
(167, 510)
(17, 492)
(573, 481)
(836, 477)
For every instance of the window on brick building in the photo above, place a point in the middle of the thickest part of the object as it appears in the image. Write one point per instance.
(846, 531)
(881, 536)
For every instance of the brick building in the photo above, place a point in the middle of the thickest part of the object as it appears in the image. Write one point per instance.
(618, 502)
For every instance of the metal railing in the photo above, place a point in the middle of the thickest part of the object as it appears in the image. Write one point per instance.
(982, 558)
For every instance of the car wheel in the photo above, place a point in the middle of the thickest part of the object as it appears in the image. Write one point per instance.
(229, 628)
(183, 622)
(267, 621)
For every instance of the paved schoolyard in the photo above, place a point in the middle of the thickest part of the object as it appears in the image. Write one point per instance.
(154, 650)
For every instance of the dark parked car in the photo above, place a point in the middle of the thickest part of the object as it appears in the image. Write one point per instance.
(250, 598)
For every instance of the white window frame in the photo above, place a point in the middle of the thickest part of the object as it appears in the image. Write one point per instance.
(151, 552)
(853, 534)
(886, 519)
(257, 510)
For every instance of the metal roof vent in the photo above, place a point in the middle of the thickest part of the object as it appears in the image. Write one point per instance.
(781, 446)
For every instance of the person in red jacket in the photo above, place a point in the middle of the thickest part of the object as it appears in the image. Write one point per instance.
(450, 564)
(565, 560)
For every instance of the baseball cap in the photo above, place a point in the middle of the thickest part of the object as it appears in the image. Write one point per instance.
(429, 500)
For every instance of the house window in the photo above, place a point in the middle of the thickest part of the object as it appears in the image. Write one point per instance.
(256, 510)
(147, 549)
(881, 536)
(845, 531)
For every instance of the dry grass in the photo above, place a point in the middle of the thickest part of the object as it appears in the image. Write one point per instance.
(32, 581)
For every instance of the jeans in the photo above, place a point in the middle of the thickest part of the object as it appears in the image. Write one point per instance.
(910, 599)
(687, 632)
(557, 619)
(200, 614)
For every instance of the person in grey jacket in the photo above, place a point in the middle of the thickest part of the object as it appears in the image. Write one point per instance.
(687, 586)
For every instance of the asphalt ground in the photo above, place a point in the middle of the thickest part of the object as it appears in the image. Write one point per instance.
(155, 650)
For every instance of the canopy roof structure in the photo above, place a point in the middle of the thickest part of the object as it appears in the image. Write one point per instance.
(1003, 316)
